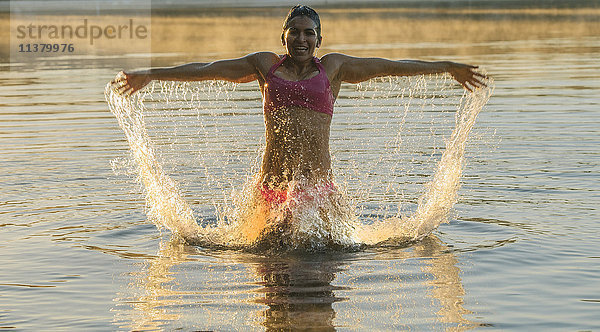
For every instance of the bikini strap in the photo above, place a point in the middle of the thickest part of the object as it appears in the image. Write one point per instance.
(315, 59)
(319, 65)
(275, 66)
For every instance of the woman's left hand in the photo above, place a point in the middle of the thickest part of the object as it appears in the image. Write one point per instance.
(467, 76)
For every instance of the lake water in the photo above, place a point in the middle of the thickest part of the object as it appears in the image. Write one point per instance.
(521, 250)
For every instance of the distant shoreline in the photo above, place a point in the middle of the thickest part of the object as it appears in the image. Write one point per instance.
(188, 7)
(173, 29)
(413, 4)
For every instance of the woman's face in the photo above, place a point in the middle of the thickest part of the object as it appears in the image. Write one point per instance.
(301, 39)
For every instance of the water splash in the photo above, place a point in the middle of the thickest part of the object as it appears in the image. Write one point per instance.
(442, 192)
(163, 199)
(241, 220)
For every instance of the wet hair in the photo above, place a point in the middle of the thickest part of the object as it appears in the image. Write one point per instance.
(301, 10)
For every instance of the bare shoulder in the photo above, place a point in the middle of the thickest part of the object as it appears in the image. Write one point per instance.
(333, 62)
(263, 59)
(334, 59)
(265, 56)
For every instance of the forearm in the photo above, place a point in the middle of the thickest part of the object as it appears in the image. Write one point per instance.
(356, 70)
(464, 74)
(240, 70)
(187, 72)
(236, 70)
(417, 67)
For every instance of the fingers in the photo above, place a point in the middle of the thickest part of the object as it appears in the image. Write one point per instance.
(118, 81)
(466, 86)
(120, 77)
(472, 84)
(477, 82)
(122, 85)
(474, 80)
(123, 89)
(468, 76)
(480, 80)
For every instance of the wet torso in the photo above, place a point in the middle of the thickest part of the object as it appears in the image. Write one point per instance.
(297, 146)
(297, 127)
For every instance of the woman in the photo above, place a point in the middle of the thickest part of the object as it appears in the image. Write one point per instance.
(298, 91)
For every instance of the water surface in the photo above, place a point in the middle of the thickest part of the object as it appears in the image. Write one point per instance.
(520, 251)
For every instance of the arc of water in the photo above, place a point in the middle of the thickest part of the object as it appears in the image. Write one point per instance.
(164, 200)
(442, 192)
(168, 208)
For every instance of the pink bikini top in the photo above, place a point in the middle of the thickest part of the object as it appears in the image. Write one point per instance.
(313, 93)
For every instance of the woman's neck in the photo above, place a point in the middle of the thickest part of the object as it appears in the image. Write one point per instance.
(299, 68)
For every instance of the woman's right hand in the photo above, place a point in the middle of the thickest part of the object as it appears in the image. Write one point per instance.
(128, 83)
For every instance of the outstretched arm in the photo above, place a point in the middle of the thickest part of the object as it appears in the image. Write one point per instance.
(354, 70)
(241, 70)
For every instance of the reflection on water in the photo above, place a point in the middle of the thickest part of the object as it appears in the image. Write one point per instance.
(446, 285)
(152, 296)
(293, 291)
(527, 218)
(298, 292)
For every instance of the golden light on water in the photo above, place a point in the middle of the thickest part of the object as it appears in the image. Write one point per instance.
(524, 223)
(228, 34)
(204, 34)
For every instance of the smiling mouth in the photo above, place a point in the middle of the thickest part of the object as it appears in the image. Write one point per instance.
(300, 49)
